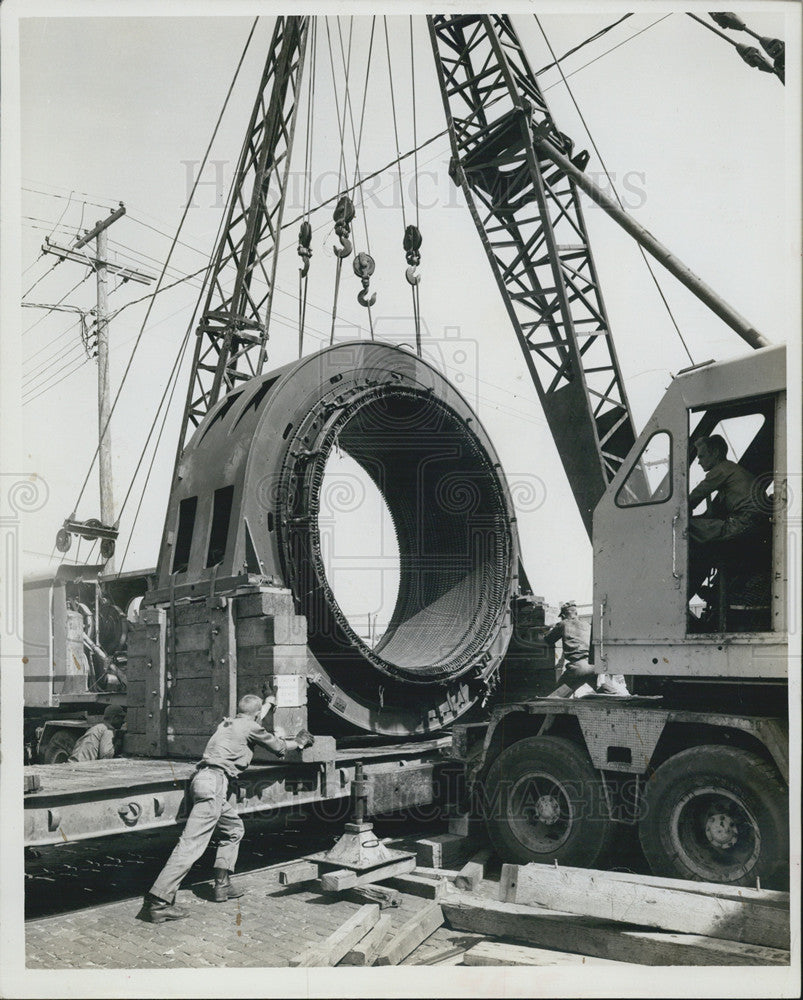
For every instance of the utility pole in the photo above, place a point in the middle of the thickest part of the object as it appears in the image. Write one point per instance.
(104, 405)
(107, 528)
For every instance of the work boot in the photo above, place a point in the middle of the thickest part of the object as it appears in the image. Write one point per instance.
(157, 911)
(224, 890)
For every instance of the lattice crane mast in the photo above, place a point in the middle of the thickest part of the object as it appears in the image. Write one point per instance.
(521, 181)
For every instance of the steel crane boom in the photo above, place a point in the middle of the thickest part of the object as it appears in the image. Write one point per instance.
(530, 220)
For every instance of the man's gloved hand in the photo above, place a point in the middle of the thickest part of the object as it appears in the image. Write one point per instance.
(304, 739)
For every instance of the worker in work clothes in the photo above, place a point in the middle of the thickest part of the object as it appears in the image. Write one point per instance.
(100, 741)
(579, 678)
(735, 512)
(228, 753)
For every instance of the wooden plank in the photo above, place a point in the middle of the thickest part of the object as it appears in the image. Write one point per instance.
(283, 629)
(193, 638)
(192, 612)
(436, 873)
(191, 746)
(444, 850)
(593, 894)
(192, 721)
(473, 872)
(502, 953)
(420, 885)
(411, 934)
(345, 878)
(466, 825)
(385, 897)
(264, 661)
(191, 665)
(742, 893)
(154, 622)
(191, 692)
(340, 943)
(300, 871)
(367, 951)
(273, 601)
(223, 653)
(599, 938)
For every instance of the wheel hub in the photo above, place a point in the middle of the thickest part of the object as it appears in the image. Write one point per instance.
(721, 831)
(547, 810)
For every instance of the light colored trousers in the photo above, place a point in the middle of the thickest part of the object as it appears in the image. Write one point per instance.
(211, 812)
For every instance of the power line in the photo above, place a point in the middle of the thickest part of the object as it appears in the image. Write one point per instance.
(86, 197)
(64, 333)
(174, 378)
(170, 252)
(47, 366)
(613, 188)
(52, 308)
(66, 375)
(605, 53)
(587, 41)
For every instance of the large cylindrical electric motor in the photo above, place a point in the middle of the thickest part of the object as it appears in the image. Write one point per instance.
(247, 502)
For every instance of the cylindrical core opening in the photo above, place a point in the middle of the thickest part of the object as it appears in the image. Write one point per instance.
(451, 520)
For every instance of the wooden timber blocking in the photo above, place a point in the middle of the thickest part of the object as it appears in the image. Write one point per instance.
(366, 951)
(444, 850)
(473, 872)
(190, 663)
(411, 934)
(594, 894)
(340, 943)
(562, 931)
(502, 953)
(420, 885)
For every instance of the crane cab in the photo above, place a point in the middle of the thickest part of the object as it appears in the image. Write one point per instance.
(665, 605)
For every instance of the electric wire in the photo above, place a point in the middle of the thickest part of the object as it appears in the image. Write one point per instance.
(58, 359)
(605, 53)
(169, 255)
(587, 41)
(616, 193)
(47, 388)
(52, 308)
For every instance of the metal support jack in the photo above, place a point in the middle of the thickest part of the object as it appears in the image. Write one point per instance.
(358, 850)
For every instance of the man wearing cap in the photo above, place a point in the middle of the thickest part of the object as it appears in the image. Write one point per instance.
(575, 635)
(100, 741)
(228, 753)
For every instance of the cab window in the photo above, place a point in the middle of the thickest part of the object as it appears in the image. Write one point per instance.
(650, 479)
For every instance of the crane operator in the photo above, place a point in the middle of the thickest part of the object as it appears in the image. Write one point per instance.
(734, 513)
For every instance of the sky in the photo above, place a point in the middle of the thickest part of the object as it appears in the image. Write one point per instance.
(703, 150)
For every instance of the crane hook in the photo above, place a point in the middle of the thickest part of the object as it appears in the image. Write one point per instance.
(364, 266)
(304, 249)
(412, 245)
(343, 216)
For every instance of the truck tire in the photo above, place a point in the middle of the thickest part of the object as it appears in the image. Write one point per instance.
(544, 802)
(59, 747)
(715, 814)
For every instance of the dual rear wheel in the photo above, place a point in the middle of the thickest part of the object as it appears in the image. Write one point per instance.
(710, 813)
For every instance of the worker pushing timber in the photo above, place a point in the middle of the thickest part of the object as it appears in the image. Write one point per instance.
(228, 753)
(575, 636)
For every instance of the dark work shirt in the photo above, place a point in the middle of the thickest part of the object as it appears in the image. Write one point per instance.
(735, 487)
(231, 744)
(575, 635)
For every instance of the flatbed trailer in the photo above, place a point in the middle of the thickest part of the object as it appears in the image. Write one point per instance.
(80, 801)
